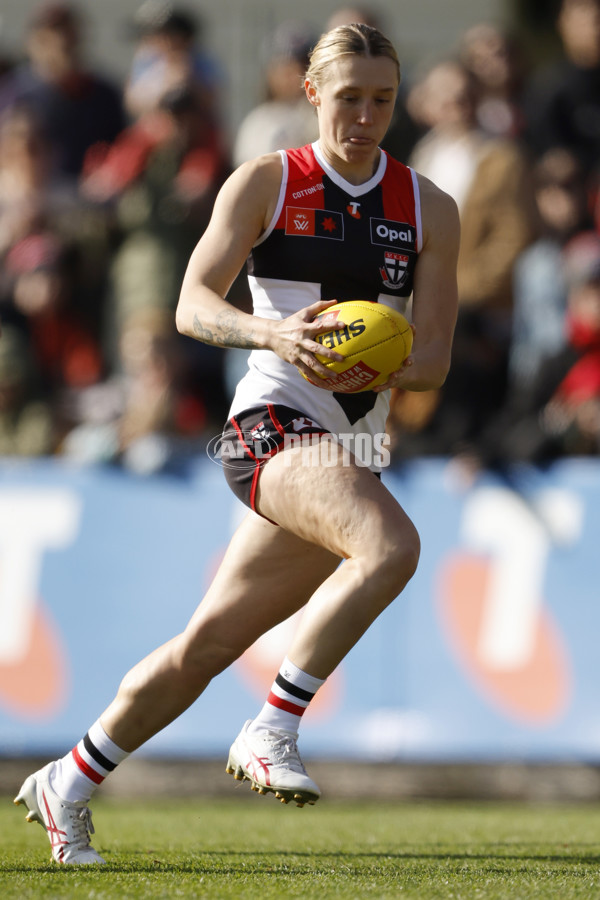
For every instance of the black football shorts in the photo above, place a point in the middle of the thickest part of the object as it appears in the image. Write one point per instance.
(252, 437)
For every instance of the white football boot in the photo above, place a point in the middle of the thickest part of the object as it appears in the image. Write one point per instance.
(270, 762)
(68, 825)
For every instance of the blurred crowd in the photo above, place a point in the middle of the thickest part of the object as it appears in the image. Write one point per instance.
(105, 189)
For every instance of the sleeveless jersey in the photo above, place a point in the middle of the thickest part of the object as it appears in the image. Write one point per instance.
(330, 239)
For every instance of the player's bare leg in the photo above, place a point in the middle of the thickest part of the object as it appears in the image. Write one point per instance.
(267, 574)
(326, 513)
(263, 579)
(345, 509)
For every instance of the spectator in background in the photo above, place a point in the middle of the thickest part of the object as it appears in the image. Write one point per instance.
(540, 289)
(495, 60)
(34, 200)
(76, 108)
(24, 176)
(44, 274)
(168, 57)
(47, 307)
(490, 181)
(283, 119)
(26, 426)
(161, 177)
(558, 413)
(572, 417)
(563, 103)
(30, 195)
(53, 252)
(145, 415)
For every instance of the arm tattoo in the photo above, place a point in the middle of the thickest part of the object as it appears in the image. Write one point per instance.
(227, 333)
(202, 333)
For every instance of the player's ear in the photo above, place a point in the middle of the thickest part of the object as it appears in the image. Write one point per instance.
(311, 92)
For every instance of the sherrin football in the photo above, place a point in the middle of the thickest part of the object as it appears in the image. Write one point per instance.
(374, 343)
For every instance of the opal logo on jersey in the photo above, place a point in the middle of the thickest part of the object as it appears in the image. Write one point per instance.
(306, 222)
(392, 234)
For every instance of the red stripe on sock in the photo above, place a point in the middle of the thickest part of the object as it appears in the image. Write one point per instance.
(87, 770)
(274, 700)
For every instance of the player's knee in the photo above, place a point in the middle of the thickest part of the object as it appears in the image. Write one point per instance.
(410, 556)
(397, 560)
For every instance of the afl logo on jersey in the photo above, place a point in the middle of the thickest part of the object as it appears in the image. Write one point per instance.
(394, 270)
(392, 234)
(301, 223)
(321, 223)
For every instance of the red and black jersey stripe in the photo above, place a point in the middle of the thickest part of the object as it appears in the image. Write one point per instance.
(343, 243)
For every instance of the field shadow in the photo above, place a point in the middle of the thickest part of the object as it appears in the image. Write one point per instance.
(223, 862)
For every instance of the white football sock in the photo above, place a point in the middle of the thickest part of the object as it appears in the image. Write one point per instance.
(79, 773)
(290, 695)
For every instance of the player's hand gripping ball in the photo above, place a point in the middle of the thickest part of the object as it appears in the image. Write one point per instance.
(374, 343)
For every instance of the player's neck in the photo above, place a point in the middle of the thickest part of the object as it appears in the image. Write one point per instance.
(353, 171)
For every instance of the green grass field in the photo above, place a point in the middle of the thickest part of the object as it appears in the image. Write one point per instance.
(254, 847)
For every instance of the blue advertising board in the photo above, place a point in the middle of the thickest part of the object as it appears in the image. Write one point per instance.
(490, 652)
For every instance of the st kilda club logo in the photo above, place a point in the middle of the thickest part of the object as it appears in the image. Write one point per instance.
(394, 271)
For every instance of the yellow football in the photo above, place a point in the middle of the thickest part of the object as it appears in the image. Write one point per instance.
(374, 343)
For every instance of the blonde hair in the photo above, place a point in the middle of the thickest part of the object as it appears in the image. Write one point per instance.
(359, 39)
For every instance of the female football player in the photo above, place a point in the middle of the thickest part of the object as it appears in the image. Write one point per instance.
(332, 221)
